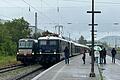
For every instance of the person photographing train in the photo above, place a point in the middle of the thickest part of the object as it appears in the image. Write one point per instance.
(66, 54)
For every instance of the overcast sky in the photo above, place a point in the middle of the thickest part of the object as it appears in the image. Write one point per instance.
(70, 11)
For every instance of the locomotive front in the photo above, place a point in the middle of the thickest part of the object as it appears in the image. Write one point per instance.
(48, 51)
(26, 51)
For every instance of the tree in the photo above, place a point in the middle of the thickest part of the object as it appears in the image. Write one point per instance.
(7, 46)
(37, 35)
(18, 28)
(82, 40)
(10, 33)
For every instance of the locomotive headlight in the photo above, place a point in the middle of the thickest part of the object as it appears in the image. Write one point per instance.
(40, 52)
(17, 53)
(54, 52)
(32, 53)
(25, 54)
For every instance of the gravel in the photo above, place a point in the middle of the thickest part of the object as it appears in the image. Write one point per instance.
(11, 74)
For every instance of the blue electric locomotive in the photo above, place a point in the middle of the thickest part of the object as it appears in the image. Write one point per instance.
(50, 49)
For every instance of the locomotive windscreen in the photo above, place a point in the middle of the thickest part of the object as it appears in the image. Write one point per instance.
(25, 44)
(48, 45)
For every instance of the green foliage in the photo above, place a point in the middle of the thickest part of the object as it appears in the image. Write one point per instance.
(10, 33)
(18, 28)
(7, 60)
(36, 36)
(8, 47)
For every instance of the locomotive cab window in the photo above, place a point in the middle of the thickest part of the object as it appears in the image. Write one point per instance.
(21, 44)
(43, 42)
(52, 42)
(29, 44)
(24, 44)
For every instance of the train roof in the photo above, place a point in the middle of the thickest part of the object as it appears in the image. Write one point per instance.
(58, 38)
(52, 38)
(28, 40)
(77, 44)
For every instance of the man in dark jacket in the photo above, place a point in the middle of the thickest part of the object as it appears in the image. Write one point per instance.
(66, 53)
(101, 56)
(84, 56)
(104, 55)
(113, 55)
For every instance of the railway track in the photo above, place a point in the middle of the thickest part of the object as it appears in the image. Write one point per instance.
(24, 75)
(20, 72)
(10, 68)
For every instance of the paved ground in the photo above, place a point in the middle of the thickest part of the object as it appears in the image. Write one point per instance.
(110, 70)
(76, 70)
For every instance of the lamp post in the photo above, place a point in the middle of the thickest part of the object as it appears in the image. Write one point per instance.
(35, 25)
(116, 23)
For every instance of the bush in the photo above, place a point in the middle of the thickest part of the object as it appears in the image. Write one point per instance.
(10, 33)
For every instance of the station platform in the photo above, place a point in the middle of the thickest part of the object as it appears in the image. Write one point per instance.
(110, 71)
(76, 70)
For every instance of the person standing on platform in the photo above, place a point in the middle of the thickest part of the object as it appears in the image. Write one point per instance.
(113, 55)
(101, 56)
(66, 54)
(90, 52)
(83, 57)
(104, 55)
(96, 56)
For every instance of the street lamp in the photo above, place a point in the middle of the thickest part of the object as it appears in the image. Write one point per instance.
(116, 23)
(69, 32)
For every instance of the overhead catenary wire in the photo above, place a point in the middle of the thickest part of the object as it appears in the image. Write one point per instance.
(37, 10)
(102, 2)
(68, 7)
(7, 2)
